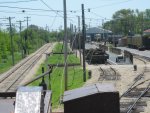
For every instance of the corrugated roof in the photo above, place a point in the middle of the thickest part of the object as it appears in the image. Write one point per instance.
(95, 30)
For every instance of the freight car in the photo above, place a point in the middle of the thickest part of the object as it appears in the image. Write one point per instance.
(138, 42)
(135, 41)
(146, 42)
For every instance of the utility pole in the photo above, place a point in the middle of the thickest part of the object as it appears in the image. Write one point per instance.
(79, 38)
(113, 38)
(72, 37)
(142, 26)
(75, 40)
(26, 49)
(83, 43)
(65, 52)
(20, 29)
(46, 27)
(11, 37)
(103, 28)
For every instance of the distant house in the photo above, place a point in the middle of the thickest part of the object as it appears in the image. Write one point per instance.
(95, 31)
(146, 32)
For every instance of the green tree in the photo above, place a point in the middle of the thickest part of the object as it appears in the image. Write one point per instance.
(127, 21)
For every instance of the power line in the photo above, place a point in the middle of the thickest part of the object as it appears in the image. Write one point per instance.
(115, 3)
(56, 11)
(105, 5)
(49, 7)
(17, 1)
(13, 7)
(53, 21)
(34, 14)
(25, 13)
(37, 15)
(34, 9)
(98, 15)
(53, 9)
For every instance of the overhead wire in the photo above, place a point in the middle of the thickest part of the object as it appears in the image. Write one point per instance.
(53, 9)
(32, 14)
(2, 11)
(53, 21)
(98, 15)
(25, 8)
(111, 4)
(105, 5)
(50, 8)
(10, 2)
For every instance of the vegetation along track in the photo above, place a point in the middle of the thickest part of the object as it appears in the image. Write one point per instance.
(135, 93)
(10, 81)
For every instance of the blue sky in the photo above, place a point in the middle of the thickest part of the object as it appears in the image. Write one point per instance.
(99, 9)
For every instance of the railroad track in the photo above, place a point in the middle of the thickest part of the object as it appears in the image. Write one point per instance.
(108, 74)
(138, 90)
(10, 81)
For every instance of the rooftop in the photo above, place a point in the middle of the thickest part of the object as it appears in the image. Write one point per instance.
(97, 30)
(87, 91)
(147, 31)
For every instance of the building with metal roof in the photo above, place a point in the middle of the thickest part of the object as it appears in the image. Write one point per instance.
(92, 32)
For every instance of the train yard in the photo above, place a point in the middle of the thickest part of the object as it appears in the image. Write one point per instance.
(133, 84)
(131, 80)
(74, 56)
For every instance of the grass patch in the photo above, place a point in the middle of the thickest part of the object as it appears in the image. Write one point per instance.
(56, 58)
(59, 47)
(75, 80)
(8, 64)
(59, 58)
(110, 45)
(75, 76)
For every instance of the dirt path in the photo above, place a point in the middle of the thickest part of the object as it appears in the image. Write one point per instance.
(35, 68)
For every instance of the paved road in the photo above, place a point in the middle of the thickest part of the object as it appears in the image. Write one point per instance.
(145, 53)
(113, 57)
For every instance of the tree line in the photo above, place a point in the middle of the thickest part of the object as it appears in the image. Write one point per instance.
(129, 22)
(25, 42)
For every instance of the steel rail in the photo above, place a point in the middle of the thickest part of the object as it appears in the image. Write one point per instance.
(103, 73)
(136, 79)
(134, 104)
